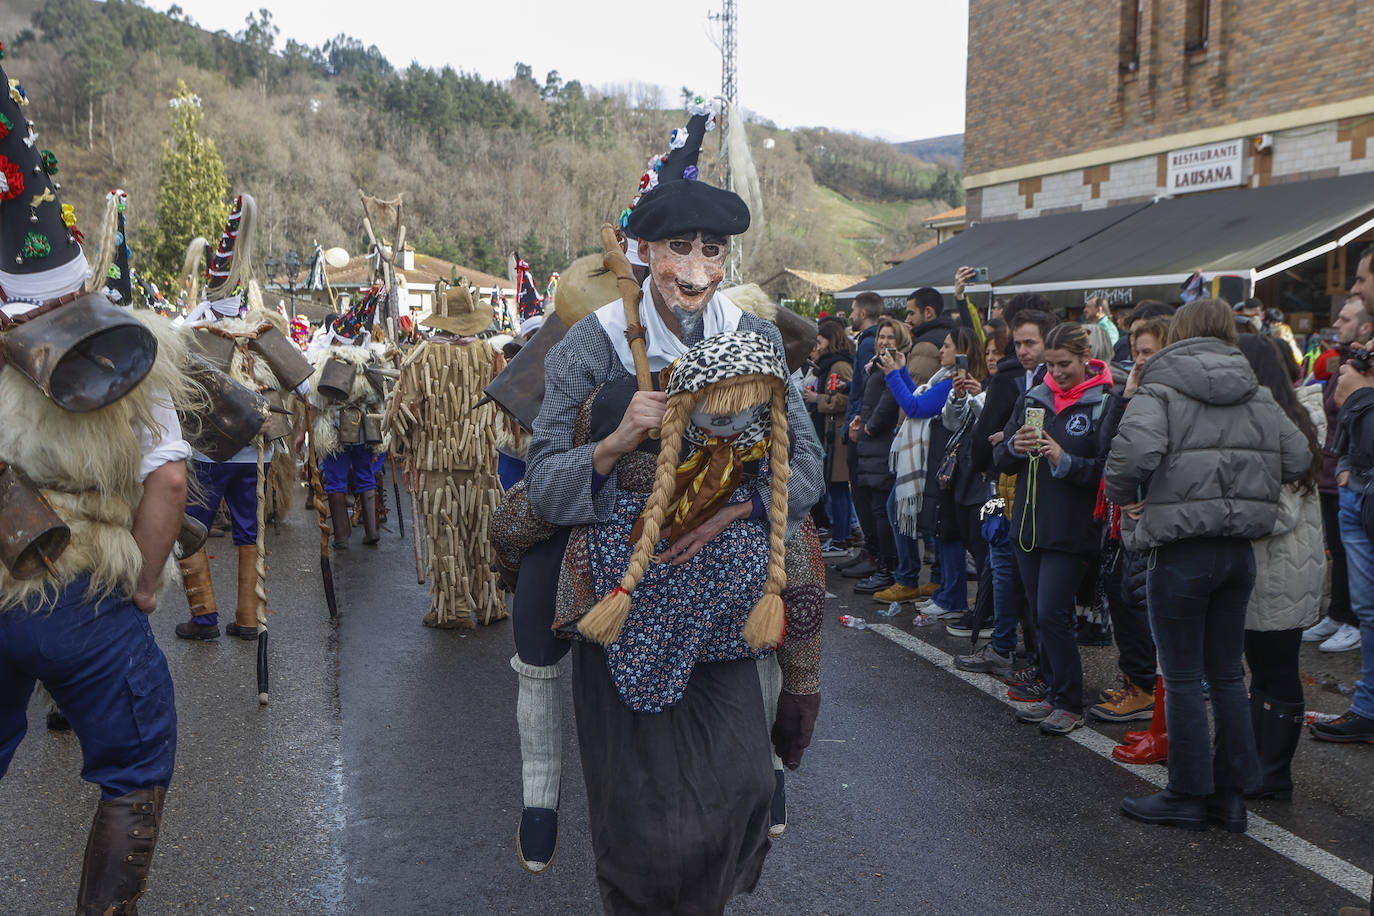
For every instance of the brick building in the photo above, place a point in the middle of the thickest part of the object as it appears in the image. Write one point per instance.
(1234, 136)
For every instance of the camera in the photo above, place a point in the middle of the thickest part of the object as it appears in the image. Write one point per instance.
(980, 275)
(1361, 359)
(961, 362)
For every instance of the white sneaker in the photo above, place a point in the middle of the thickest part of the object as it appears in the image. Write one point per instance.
(1343, 640)
(1326, 627)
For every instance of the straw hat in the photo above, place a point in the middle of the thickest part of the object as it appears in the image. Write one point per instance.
(456, 313)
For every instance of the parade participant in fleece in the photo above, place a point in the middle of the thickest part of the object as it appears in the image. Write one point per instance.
(103, 386)
(237, 335)
(674, 859)
(449, 451)
(348, 403)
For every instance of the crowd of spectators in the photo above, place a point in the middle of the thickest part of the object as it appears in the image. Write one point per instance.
(1187, 483)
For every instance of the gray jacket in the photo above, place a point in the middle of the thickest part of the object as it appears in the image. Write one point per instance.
(1290, 565)
(1206, 446)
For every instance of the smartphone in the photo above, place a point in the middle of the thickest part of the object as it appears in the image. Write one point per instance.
(891, 352)
(980, 275)
(961, 363)
(1035, 417)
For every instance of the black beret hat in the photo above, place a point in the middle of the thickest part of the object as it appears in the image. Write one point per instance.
(678, 208)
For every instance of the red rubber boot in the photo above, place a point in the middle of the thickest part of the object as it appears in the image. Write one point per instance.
(1149, 746)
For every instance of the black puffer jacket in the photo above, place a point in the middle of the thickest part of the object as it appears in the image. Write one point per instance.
(1058, 513)
(879, 416)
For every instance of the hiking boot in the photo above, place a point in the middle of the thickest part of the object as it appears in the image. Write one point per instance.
(930, 588)
(1127, 704)
(1061, 722)
(880, 580)
(1351, 728)
(1036, 712)
(1019, 677)
(1029, 693)
(1106, 693)
(1167, 809)
(861, 570)
(963, 627)
(897, 592)
(985, 660)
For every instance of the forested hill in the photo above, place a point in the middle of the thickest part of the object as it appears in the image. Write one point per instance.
(484, 166)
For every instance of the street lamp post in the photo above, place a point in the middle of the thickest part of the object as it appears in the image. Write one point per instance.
(286, 270)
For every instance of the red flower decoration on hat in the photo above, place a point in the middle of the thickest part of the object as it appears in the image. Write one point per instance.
(13, 182)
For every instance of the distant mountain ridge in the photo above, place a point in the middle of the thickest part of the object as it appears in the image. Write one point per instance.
(947, 150)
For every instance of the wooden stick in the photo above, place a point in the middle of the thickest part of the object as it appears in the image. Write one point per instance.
(630, 293)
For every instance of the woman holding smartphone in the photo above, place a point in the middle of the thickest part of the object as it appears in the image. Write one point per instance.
(1051, 443)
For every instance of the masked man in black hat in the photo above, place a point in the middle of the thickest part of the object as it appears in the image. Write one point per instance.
(586, 457)
(94, 462)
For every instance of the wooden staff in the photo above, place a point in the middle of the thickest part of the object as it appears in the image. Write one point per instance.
(260, 587)
(317, 493)
(630, 293)
(396, 488)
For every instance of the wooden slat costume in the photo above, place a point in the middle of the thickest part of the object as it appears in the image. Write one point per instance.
(450, 455)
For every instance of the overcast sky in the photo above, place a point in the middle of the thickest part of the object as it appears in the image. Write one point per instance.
(878, 67)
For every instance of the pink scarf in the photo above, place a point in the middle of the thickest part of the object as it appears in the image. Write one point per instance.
(1098, 374)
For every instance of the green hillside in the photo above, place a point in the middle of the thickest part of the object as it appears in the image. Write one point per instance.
(484, 167)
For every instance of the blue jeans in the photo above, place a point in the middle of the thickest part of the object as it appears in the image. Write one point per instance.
(1003, 598)
(841, 510)
(908, 570)
(1052, 578)
(100, 663)
(953, 593)
(1359, 556)
(237, 485)
(1198, 589)
(357, 457)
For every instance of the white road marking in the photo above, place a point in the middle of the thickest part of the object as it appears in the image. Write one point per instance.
(1339, 872)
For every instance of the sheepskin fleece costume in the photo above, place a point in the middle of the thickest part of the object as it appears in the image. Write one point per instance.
(363, 396)
(87, 465)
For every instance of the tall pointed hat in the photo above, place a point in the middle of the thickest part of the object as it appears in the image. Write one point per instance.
(76, 348)
(673, 201)
(111, 269)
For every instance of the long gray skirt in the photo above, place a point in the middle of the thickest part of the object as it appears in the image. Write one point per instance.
(679, 800)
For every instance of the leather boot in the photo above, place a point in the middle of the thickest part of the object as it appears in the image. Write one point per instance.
(1278, 729)
(370, 536)
(338, 517)
(245, 625)
(119, 853)
(1167, 809)
(200, 595)
(1150, 746)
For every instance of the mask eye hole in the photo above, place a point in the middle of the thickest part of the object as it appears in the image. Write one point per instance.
(680, 246)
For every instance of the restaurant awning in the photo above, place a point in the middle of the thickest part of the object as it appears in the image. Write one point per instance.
(1006, 248)
(1251, 233)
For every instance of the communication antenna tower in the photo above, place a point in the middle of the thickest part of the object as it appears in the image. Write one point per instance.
(728, 17)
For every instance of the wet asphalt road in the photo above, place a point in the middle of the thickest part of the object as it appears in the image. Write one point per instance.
(384, 778)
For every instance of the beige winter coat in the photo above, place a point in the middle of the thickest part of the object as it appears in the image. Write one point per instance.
(1290, 566)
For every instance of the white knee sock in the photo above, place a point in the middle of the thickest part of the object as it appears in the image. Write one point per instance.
(539, 717)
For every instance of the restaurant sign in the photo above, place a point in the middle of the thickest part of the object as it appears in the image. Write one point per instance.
(1205, 168)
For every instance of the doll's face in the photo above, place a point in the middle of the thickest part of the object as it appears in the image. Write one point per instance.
(686, 271)
(724, 426)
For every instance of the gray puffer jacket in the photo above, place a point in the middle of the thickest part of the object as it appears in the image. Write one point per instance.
(1290, 565)
(1206, 446)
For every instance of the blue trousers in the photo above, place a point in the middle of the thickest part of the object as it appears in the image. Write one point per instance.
(953, 593)
(841, 509)
(100, 663)
(1052, 578)
(359, 459)
(237, 485)
(1359, 553)
(908, 570)
(1197, 592)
